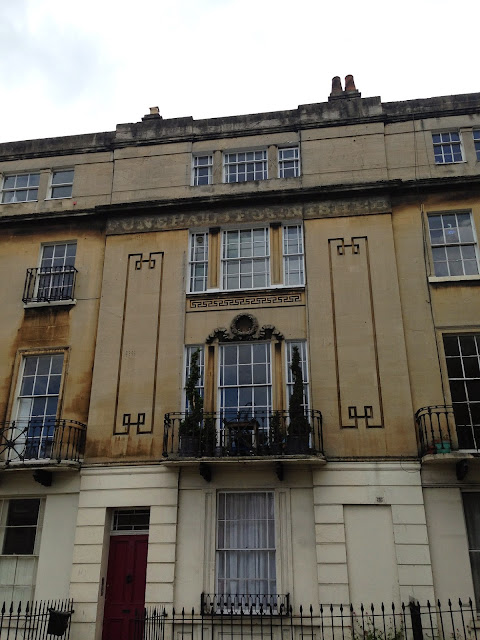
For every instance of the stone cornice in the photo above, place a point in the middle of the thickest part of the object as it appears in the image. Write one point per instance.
(276, 198)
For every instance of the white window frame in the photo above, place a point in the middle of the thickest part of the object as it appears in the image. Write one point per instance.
(303, 351)
(247, 265)
(238, 160)
(53, 186)
(243, 260)
(193, 262)
(469, 402)
(16, 189)
(272, 575)
(289, 256)
(282, 161)
(196, 167)
(476, 142)
(55, 279)
(18, 591)
(442, 141)
(265, 410)
(132, 530)
(460, 244)
(44, 423)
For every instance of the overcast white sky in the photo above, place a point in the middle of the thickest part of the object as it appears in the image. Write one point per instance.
(78, 67)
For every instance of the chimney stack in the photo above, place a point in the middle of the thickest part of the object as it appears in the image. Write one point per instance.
(350, 89)
(154, 113)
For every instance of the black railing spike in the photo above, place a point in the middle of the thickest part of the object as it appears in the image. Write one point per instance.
(341, 621)
(451, 618)
(470, 603)
(382, 607)
(462, 618)
(439, 615)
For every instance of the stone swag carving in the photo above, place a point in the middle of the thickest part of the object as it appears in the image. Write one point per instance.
(244, 327)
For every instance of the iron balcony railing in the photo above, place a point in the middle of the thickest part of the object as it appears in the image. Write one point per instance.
(445, 428)
(455, 620)
(274, 433)
(42, 439)
(218, 603)
(49, 284)
(40, 620)
(436, 429)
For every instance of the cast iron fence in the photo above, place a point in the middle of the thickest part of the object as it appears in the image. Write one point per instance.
(455, 620)
(40, 620)
(49, 284)
(242, 434)
(42, 439)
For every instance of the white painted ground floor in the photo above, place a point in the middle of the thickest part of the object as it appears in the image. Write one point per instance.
(338, 533)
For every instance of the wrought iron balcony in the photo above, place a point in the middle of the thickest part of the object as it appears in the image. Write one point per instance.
(267, 604)
(49, 284)
(445, 428)
(275, 433)
(437, 430)
(42, 439)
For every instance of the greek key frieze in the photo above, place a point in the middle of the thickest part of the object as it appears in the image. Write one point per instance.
(244, 301)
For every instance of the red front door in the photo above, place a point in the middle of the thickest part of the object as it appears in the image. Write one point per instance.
(125, 592)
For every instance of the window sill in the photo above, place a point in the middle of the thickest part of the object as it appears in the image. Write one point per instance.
(452, 279)
(53, 303)
(446, 164)
(62, 198)
(20, 202)
(226, 292)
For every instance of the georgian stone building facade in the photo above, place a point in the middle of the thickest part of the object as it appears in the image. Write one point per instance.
(344, 232)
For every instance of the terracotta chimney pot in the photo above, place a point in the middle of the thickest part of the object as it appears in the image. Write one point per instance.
(336, 86)
(350, 83)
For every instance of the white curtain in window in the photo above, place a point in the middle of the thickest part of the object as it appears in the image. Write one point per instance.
(246, 544)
